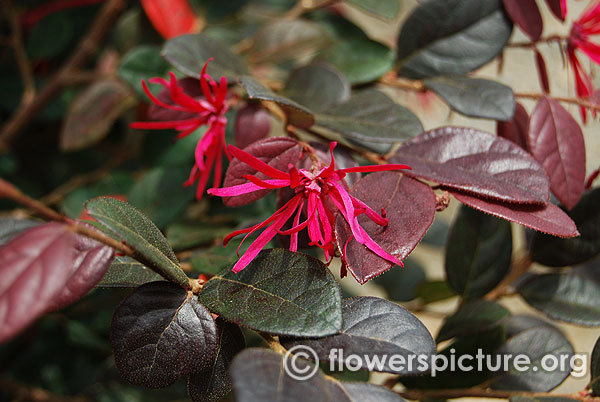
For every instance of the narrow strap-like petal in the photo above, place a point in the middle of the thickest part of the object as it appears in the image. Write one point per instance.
(257, 164)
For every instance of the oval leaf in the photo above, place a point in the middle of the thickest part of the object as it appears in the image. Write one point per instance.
(188, 53)
(161, 333)
(472, 317)
(536, 343)
(374, 329)
(565, 297)
(252, 123)
(279, 292)
(555, 252)
(410, 208)
(475, 97)
(478, 253)
(556, 142)
(476, 162)
(544, 218)
(134, 228)
(296, 114)
(125, 272)
(557, 9)
(277, 152)
(526, 15)
(515, 129)
(466, 35)
(34, 267)
(214, 382)
(318, 86)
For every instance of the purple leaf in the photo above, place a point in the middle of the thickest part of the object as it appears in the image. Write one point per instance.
(476, 162)
(410, 208)
(252, 123)
(526, 15)
(556, 142)
(544, 218)
(555, 7)
(34, 268)
(278, 152)
(540, 63)
(92, 259)
(516, 129)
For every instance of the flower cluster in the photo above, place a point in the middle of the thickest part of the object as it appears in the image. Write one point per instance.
(587, 25)
(208, 110)
(319, 193)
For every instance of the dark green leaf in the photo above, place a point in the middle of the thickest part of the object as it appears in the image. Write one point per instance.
(515, 324)
(371, 117)
(10, 227)
(297, 114)
(478, 253)
(142, 63)
(401, 283)
(352, 52)
(125, 272)
(566, 297)
(188, 53)
(387, 9)
(214, 382)
(595, 368)
(135, 229)
(472, 317)
(557, 252)
(161, 333)
(279, 292)
(433, 291)
(374, 328)
(536, 375)
(466, 35)
(93, 112)
(182, 236)
(150, 194)
(475, 97)
(318, 86)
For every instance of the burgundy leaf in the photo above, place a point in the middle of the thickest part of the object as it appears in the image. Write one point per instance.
(540, 63)
(556, 141)
(34, 268)
(476, 162)
(516, 129)
(191, 86)
(556, 9)
(252, 123)
(410, 208)
(526, 15)
(278, 152)
(544, 218)
(92, 259)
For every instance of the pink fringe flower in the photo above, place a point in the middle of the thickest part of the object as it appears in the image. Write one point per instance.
(209, 110)
(323, 195)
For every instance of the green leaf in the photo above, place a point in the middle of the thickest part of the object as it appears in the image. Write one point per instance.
(371, 117)
(475, 97)
(401, 284)
(125, 272)
(595, 368)
(318, 86)
(93, 112)
(476, 316)
(478, 253)
(279, 292)
(188, 53)
(150, 194)
(558, 252)
(185, 235)
(134, 228)
(142, 63)
(387, 9)
(444, 37)
(566, 297)
(434, 291)
(297, 114)
(538, 344)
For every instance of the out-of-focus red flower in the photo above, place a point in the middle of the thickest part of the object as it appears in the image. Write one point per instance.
(580, 38)
(171, 17)
(208, 110)
(321, 191)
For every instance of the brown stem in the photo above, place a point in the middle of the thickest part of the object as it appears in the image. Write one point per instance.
(572, 101)
(529, 45)
(519, 266)
(273, 343)
(87, 47)
(418, 394)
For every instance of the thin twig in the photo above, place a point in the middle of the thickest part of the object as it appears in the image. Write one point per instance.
(273, 343)
(572, 101)
(529, 45)
(87, 47)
